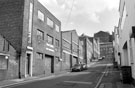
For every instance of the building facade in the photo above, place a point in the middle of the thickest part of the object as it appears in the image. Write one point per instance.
(87, 49)
(103, 36)
(70, 48)
(106, 50)
(9, 66)
(96, 48)
(126, 27)
(35, 35)
(81, 51)
(116, 46)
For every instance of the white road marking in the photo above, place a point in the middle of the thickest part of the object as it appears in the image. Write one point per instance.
(99, 81)
(79, 82)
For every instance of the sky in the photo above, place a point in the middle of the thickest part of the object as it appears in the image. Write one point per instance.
(85, 16)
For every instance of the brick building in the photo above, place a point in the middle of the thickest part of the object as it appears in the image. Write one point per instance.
(35, 35)
(106, 50)
(8, 60)
(81, 51)
(96, 48)
(103, 36)
(70, 48)
(87, 49)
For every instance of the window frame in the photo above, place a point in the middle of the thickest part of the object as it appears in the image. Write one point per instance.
(56, 26)
(38, 34)
(41, 15)
(51, 37)
(50, 22)
(57, 43)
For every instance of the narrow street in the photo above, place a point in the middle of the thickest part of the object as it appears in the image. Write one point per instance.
(84, 79)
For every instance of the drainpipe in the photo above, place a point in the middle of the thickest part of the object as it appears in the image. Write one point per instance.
(61, 50)
(71, 50)
(19, 65)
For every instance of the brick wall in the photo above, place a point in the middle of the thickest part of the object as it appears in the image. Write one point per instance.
(12, 69)
(11, 21)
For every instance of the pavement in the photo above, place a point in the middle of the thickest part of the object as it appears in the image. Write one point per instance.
(8, 83)
(112, 79)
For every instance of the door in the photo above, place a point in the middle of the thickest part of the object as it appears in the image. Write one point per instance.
(49, 63)
(28, 59)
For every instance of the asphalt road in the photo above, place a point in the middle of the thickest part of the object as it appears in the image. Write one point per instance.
(84, 79)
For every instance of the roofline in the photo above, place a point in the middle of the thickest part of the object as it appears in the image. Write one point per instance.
(119, 5)
(48, 11)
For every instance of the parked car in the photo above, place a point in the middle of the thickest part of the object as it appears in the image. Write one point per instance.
(84, 66)
(76, 67)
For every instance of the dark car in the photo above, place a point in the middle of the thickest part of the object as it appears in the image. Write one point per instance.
(84, 66)
(76, 67)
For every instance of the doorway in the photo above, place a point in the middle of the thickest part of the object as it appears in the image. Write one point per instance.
(49, 62)
(28, 65)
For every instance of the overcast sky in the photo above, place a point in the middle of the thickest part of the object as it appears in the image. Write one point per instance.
(87, 16)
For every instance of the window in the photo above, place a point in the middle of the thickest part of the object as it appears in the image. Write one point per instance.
(64, 56)
(50, 39)
(56, 42)
(3, 62)
(6, 46)
(57, 28)
(40, 35)
(39, 56)
(57, 60)
(66, 44)
(49, 22)
(40, 15)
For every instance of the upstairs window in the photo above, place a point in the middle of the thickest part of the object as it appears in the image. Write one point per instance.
(40, 15)
(40, 35)
(57, 28)
(49, 22)
(6, 46)
(56, 42)
(50, 39)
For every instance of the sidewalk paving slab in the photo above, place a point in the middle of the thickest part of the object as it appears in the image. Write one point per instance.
(112, 79)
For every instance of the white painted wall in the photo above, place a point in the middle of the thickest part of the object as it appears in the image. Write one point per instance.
(127, 58)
